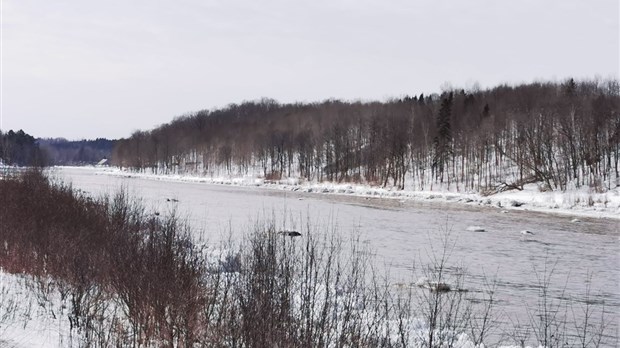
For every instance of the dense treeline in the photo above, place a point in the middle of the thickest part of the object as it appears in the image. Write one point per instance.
(555, 134)
(64, 152)
(20, 148)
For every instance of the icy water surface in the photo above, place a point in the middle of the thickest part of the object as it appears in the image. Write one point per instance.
(402, 232)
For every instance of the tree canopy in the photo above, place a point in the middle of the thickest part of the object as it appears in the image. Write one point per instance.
(506, 136)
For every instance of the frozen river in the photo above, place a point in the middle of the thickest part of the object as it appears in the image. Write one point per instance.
(402, 232)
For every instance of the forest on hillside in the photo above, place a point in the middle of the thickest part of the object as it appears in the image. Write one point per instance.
(22, 149)
(558, 134)
(60, 151)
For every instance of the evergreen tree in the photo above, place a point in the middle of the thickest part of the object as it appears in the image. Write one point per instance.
(486, 111)
(570, 87)
(443, 139)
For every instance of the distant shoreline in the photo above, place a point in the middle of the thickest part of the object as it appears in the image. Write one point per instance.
(570, 202)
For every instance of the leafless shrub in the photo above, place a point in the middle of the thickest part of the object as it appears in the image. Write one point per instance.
(9, 306)
(91, 252)
(483, 320)
(589, 332)
(559, 320)
(446, 306)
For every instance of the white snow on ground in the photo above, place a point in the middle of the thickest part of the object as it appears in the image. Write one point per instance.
(38, 322)
(576, 201)
(27, 320)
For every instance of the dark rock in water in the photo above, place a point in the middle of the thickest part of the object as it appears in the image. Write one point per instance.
(290, 233)
(516, 203)
(440, 287)
(433, 286)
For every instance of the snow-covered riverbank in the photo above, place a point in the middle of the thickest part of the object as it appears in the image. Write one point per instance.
(578, 202)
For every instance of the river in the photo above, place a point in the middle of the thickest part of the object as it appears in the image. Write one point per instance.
(402, 233)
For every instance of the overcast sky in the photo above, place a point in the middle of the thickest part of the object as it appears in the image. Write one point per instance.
(85, 69)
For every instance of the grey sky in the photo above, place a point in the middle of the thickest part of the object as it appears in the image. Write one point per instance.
(86, 69)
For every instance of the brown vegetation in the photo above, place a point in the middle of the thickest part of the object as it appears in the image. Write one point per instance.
(103, 249)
